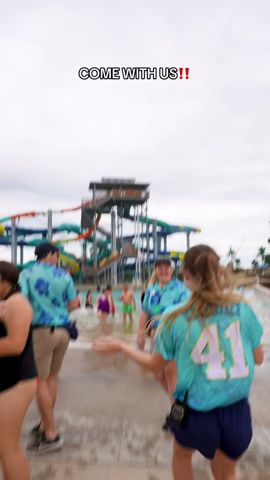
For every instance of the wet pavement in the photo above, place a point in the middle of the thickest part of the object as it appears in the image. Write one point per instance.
(110, 414)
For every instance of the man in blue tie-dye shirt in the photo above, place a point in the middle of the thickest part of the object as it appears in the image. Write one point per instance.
(52, 294)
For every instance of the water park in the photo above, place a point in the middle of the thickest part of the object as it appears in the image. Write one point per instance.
(125, 251)
(109, 410)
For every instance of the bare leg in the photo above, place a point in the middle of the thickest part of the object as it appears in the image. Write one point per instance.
(182, 462)
(223, 467)
(13, 406)
(102, 318)
(124, 318)
(52, 385)
(45, 403)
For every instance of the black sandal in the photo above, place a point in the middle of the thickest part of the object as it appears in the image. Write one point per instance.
(36, 430)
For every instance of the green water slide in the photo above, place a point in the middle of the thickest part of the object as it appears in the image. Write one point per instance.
(166, 228)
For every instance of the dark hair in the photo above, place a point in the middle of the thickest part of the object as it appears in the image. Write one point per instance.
(44, 248)
(9, 272)
(109, 287)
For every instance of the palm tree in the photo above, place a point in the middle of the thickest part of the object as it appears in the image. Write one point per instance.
(261, 254)
(254, 263)
(231, 254)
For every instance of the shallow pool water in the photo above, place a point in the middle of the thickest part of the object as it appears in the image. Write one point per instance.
(88, 320)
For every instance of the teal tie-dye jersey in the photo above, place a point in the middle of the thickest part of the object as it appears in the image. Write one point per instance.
(214, 358)
(49, 289)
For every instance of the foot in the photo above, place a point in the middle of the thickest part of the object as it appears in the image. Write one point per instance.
(37, 430)
(44, 445)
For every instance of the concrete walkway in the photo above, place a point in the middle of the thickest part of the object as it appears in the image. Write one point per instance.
(110, 414)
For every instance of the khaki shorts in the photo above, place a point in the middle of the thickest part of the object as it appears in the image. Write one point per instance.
(49, 350)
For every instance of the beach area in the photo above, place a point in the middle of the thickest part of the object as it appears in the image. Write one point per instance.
(110, 413)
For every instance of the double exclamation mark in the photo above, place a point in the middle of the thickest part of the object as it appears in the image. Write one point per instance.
(181, 73)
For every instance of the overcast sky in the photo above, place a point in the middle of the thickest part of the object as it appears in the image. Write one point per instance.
(202, 143)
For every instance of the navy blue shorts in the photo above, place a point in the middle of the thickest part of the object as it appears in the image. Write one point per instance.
(228, 429)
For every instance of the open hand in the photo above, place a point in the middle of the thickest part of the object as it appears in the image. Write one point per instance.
(108, 345)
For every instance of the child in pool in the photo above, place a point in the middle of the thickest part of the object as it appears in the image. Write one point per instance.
(89, 300)
(109, 291)
(128, 303)
(104, 305)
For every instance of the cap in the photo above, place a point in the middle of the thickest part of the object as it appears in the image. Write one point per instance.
(43, 249)
(163, 260)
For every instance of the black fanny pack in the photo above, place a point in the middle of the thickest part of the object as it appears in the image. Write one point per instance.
(72, 329)
(179, 411)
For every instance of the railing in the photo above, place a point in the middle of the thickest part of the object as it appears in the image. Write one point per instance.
(117, 194)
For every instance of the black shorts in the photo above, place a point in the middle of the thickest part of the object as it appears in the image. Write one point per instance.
(228, 429)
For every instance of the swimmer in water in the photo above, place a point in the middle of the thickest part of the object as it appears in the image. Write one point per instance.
(104, 305)
(128, 304)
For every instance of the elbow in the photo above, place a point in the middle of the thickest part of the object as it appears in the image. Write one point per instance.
(73, 305)
(16, 349)
(258, 356)
(259, 360)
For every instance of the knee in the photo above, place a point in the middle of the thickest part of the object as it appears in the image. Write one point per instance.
(42, 382)
(223, 474)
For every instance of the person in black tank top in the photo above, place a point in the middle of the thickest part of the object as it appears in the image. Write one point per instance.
(17, 371)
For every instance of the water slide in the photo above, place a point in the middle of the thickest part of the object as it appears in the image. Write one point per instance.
(165, 228)
(105, 257)
(67, 259)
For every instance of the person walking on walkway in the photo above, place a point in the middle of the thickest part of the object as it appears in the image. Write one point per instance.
(17, 371)
(52, 294)
(215, 339)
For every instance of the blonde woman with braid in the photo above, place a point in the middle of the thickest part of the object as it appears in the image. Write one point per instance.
(215, 339)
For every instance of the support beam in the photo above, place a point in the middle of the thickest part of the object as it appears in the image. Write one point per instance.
(113, 248)
(188, 240)
(159, 244)
(148, 250)
(155, 240)
(84, 253)
(13, 241)
(95, 232)
(50, 230)
(165, 243)
(21, 255)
